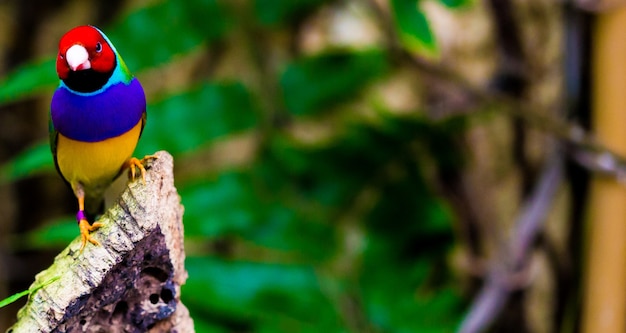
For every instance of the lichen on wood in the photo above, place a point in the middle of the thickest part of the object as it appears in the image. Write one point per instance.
(131, 282)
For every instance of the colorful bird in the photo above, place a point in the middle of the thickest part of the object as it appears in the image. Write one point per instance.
(97, 115)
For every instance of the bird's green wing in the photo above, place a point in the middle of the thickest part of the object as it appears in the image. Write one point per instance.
(144, 119)
(54, 136)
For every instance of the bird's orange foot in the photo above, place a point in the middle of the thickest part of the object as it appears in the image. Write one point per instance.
(85, 229)
(134, 163)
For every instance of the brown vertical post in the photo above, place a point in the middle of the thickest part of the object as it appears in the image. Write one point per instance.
(605, 280)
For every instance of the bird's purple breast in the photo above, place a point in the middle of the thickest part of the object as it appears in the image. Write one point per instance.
(98, 117)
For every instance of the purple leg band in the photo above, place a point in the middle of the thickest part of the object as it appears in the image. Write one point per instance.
(80, 215)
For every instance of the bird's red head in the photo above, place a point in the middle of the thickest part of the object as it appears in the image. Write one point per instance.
(83, 48)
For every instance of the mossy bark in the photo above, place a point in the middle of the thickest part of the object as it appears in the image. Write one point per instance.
(131, 282)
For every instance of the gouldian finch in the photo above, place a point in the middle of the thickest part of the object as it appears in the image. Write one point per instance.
(97, 115)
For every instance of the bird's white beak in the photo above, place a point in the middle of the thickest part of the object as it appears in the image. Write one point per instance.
(77, 58)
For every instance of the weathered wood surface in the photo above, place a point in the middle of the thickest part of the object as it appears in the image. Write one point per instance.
(131, 283)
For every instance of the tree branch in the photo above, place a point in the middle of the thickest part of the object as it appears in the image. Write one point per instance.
(509, 274)
(580, 144)
(131, 283)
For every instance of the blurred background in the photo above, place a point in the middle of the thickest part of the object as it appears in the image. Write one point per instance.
(351, 165)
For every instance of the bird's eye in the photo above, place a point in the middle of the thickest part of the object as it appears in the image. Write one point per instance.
(98, 47)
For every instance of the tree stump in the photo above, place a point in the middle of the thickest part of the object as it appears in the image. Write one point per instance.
(131, 282)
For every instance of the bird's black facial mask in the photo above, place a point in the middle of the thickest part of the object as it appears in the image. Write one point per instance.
(87, 80)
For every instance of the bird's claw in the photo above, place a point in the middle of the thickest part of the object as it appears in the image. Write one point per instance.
(85, 229)
(135, 163)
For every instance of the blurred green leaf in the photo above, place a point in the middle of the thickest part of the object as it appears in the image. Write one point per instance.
(312, 85)
(186, 121)
(332, 174)
(411, 216)
(53, 235)
(456, 3)
(314, 179)
(409, 234)
(34, 160)
(394, 306)
(405, 282)
(144, 39)
(413, 27)
(259, 295)
(286, 228)
(203, 324)
(220, 206)
(27, 80)
(274, 12)
(245, 204)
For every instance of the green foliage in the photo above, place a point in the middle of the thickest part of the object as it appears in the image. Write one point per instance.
(413, 28)
(411, 234)
(214, 110)
(145, 41)
(243, 206)
(34, 160)
(55, 234)
(272, 236)
(19, 295)
(311, 85)
(29, 79)
(456, 3)
(259, 296)
(276, 12)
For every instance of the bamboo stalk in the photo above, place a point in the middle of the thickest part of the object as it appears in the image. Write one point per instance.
(604, 308)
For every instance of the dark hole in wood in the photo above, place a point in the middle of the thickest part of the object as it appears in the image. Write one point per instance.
(167, 295)
(156, 272)
(121, 308)
(154, 298)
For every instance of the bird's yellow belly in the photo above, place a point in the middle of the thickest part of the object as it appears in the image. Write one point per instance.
(95, 164)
